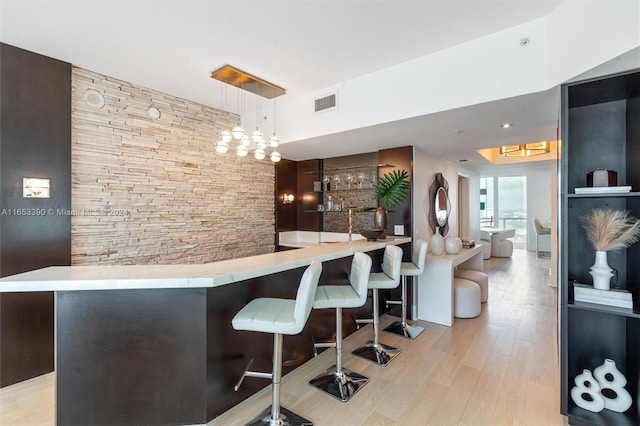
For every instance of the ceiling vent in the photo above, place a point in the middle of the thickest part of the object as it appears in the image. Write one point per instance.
(325, 103)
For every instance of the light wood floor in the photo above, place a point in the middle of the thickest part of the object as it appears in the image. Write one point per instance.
(498, 369)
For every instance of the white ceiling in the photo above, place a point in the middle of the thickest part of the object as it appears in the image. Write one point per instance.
(302, 45)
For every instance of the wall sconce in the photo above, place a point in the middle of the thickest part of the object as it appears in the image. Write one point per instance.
(35, 188)
(287, 198)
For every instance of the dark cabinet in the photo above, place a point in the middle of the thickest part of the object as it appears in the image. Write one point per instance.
(600, 121)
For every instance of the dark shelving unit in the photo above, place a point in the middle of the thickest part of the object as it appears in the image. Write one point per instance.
(600, 121)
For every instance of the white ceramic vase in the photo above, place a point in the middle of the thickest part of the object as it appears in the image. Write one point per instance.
(609, 377)
(437, 243)
(586, 392)
(452, 245)
(601, 272)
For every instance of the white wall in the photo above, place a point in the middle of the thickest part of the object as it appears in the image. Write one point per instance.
(425, 167)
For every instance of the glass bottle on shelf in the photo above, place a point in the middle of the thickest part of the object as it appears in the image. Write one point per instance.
(329, 204)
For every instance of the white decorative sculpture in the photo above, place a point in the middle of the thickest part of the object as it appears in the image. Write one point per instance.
(437, 243)
(605, 389)
(609, 377)
(586, 384)
(452, 245)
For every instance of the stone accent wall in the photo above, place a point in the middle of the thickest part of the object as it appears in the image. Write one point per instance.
(155, 191)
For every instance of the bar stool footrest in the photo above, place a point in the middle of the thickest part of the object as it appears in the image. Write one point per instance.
(286, 418)
(341, 386)
(408, 331)
(381, 354)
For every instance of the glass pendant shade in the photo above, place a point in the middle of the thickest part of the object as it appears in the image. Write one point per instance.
(237, 132)
(275, 156)
(242, 151)
(274, 141)
(226, 136)
(222, 146)
(257, 136)
(245, 141)
(259, 154)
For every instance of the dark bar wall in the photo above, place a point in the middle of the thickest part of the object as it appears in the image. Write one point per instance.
(308, 172)
(35, 141)
(401, 159)
(286, 183)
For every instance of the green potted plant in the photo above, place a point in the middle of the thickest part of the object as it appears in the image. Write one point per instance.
(392, 189)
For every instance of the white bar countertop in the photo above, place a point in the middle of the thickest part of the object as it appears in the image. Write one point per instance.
(106, 277)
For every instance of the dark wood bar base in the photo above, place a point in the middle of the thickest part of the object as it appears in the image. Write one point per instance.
(171, 356)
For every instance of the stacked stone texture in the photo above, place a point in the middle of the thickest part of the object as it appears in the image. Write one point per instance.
(154, 191)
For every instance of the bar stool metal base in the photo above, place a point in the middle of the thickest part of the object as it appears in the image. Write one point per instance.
(287, 418)
(405, 330)
(341, 385)
(380, 354)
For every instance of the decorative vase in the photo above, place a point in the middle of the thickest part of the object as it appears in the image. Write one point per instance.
(452, 245)
(612, 382)
(380, 220)
(586, 392)
(437, 243)
(601, 272)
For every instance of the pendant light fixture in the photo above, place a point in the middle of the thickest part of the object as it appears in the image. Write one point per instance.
(274, 141)
(263, 89)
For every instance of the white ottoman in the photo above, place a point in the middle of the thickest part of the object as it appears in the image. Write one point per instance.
(477, 277)
(466, 298)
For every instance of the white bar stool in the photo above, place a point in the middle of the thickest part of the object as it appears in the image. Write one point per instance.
(336, 381)
(389, 278)
(278, 316)
(411, 269)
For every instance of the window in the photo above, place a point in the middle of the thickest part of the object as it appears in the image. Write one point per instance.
(503, 204)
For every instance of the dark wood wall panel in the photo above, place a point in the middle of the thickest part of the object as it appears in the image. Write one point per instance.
(308, 201)
(401, 159)
(35, 141)
(286, 183)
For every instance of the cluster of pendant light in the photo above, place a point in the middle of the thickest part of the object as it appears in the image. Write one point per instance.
(263, 89)
(243, 141)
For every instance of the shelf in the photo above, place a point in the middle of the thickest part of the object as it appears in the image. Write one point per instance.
(354, 210)
(613, 310)
(607, 195)
(335, 169)
(580, 416)
(338, 190)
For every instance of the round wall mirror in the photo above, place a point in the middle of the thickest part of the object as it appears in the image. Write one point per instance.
(440, 206)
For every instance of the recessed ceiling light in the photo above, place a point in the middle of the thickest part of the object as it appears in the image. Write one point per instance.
(524, 41)
(506, 125)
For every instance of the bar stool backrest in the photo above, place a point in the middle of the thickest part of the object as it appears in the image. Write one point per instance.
(420, 255)
(306, 294)
(359, 275)
(391, 262)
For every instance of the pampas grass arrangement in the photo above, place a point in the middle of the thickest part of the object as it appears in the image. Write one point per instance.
(611, 229)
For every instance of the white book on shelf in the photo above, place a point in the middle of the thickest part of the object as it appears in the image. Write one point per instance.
(603, 189)
(614, 294)
(603, 301)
